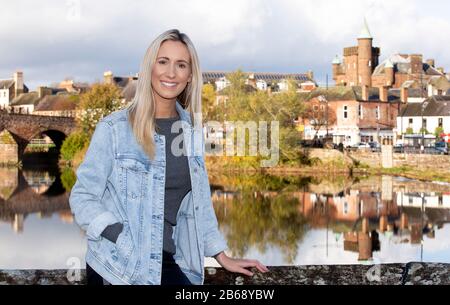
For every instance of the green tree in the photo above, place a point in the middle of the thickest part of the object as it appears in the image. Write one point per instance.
(438, 131)
(208, 103)
(73, 144)
(98, 102)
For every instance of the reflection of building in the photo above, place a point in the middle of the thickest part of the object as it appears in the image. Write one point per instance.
(66, 216)
(18, 223)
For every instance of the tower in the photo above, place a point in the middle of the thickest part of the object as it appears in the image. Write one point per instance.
(336, 64)
(365, 57)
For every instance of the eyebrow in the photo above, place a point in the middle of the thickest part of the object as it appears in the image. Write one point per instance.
(180, 60)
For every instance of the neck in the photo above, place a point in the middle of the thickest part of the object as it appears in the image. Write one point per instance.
(165, 109)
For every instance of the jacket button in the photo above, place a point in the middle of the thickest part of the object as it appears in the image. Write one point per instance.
(133, 195)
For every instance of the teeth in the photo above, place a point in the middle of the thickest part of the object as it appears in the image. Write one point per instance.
(169, 84)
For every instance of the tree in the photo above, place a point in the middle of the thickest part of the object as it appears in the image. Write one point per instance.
(319, 115)
(208, 102)
(98, 102)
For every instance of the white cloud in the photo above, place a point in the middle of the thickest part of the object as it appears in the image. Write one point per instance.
(48, 40)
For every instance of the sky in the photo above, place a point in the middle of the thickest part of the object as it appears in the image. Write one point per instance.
(51, 40)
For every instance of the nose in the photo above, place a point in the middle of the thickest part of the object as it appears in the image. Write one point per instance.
(171, 71)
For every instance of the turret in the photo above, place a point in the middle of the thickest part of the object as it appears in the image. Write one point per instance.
(365, 57)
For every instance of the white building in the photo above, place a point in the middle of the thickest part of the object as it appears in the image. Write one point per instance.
(424, 118)
(11, 88)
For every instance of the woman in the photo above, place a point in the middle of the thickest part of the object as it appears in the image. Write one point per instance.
(142, 192)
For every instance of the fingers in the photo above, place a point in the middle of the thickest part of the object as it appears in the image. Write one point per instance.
(254, 263)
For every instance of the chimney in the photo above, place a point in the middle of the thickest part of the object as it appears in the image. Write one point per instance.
(108, 77)
(430, 62)
(310, 75)
(404, 94)
(18, 82)
(365, 93)
(416, 63)
(43, 91)
(384, 94)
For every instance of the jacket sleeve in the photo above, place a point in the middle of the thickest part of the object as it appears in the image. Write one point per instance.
(213, 238)
(92, 175)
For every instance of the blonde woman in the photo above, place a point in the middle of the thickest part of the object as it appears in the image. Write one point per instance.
(142, 192)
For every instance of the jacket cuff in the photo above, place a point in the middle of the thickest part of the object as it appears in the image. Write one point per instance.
(215, 246)
(99, 223)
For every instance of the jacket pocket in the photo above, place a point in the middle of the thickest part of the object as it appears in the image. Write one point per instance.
(132, 173)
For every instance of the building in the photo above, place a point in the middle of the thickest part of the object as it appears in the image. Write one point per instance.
(11, 88)
(127, 84)
(428, 119)
(25, 103)
(355, 114)
(360, 67)
(275, 82)
(56, 105)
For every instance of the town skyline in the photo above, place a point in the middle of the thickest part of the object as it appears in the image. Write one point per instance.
(89, 42)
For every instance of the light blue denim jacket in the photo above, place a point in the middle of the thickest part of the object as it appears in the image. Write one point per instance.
(117, 182)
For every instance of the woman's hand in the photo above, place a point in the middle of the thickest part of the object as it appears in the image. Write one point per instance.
(238, 265)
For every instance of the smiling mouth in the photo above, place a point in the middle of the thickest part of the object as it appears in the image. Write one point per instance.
(169, 84)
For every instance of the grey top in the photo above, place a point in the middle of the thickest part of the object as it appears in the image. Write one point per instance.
(178, 180)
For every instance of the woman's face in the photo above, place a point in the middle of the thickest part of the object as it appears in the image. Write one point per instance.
(171, 71)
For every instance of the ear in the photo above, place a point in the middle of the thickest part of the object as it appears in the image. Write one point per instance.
(190, 78)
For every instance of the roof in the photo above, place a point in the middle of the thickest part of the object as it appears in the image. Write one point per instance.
(365, 32)
(6, 83)
(122, 81)
(31, 98)
(336, 60)
(266, 76)
(402, 64)
(432, 106)
(56, 103)
(344, 93)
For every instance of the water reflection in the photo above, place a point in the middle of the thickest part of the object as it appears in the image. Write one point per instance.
(367, 218)
(279, 220)
(42, 233)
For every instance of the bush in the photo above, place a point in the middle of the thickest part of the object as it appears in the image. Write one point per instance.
(73, 144)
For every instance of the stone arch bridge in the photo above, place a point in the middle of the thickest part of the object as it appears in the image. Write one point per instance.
(24, 127)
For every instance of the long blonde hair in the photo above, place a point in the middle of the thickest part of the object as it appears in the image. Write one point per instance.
(142, 108)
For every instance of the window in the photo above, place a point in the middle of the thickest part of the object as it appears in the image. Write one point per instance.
(424, 124)
(360, 111)
(440, 122)
(410, 122)
(377, 112)
(345, 112)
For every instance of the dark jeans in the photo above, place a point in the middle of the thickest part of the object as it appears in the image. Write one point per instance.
(171, 273)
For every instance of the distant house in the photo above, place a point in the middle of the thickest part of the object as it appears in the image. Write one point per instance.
(127, 84)
(275, 82)
(57, 105)
(356, 114)
(423, 119)
(25, 103)
(73, 87)
(11, 88)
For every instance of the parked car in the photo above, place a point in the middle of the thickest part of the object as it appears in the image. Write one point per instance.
(361, 145)
(375, 146)
(441, 147)
(399, 148)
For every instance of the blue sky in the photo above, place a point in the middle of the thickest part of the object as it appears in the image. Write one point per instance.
(50, 40)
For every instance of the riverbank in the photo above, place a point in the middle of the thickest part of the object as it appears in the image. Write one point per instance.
(384, 274)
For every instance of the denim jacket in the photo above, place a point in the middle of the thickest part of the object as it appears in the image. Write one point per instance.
(118, 182)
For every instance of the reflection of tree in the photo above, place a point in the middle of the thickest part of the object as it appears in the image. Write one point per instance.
(68, 178)
(254, 220)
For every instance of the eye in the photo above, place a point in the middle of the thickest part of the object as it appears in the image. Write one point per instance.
(182, 66)
(162, 61)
